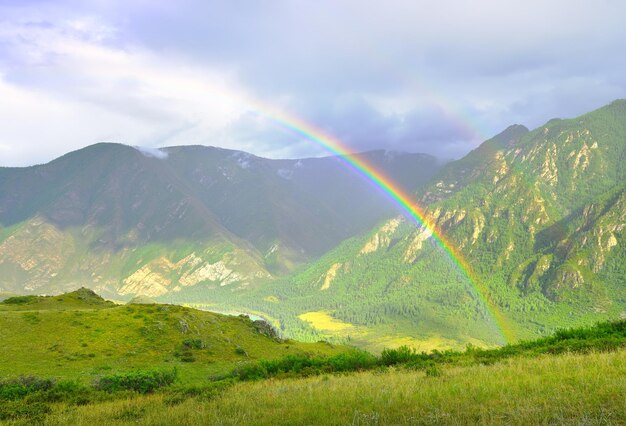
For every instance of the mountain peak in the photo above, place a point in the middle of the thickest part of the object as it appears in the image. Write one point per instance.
(511, 135)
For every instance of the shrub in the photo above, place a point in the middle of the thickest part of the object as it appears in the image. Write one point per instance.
(22, 386)
(193, 344)
(252, 371)
(433, 371)
(352, 361)
(187, 356)
(137, 381)
(304, 365)
(20, 300)
(401, 355)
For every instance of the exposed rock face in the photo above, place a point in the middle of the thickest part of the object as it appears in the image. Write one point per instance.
(263, 327)
(415, 246)
(330, 275)
(38, 251)
(478, 221)
(382, 238)
(549, 170)
(108, 215)
(155, 279)
(518, 199)
(147, 282)
(218, 272)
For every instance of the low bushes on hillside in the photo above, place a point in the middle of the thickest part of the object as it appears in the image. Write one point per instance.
(22, 386)
(602, 337)
(137, 381)
(304, 365)
(20, 300)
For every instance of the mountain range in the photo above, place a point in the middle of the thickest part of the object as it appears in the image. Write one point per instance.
(131, 221)
(538, 215)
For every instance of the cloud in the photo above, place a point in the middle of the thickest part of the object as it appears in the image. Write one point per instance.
(400, 75)
(152, 152)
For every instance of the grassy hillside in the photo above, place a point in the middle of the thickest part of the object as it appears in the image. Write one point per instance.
(574, 377)
(79, 336)
(569, 389)
(539, 215)
(370, 299)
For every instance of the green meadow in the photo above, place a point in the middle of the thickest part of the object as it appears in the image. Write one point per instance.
(78, 359)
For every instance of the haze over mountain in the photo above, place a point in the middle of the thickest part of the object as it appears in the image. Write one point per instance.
(540, 217)
(127, 221)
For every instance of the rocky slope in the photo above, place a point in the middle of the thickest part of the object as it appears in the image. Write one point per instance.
(126, 221)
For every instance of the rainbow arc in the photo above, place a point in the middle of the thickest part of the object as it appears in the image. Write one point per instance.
(376, 177)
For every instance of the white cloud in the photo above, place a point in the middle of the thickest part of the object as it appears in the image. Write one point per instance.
(66, 90)
(285, 173)
(152, 152)
(433, 77)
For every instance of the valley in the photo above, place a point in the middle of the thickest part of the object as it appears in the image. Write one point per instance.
(536, 216)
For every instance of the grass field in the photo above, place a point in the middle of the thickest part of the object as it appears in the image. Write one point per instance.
(565, 389)
(77, 359)
(325, 322)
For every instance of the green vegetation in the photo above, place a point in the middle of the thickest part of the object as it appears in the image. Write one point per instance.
(80, 337)
(79, 299)
(574, 376)
(540, 217)
(567, 389)
(101, 214)
(601, 337)
(137, 381)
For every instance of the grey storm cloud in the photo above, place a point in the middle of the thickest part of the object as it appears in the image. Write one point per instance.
(402, 75)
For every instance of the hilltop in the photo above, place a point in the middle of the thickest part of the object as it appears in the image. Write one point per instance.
(81, 336)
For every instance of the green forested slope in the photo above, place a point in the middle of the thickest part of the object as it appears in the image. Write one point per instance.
(538, 215)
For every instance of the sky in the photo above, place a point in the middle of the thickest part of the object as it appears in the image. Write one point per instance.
(416, 76)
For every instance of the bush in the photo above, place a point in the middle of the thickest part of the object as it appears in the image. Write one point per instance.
(187, 356)
(20, 300)
(304, 365)
(401, 355)
(352, 361)
(433, 371)
(23, 386)
(193, 344)
(137, 381)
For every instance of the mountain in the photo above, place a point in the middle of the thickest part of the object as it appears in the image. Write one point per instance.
(538, 215)
(535, 218)
(127, 221)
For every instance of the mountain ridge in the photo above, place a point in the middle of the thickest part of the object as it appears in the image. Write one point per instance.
(538, 214)
(539, 217)
(228, 216)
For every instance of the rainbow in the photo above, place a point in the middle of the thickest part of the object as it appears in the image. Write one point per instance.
(306, 131)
